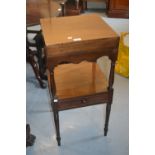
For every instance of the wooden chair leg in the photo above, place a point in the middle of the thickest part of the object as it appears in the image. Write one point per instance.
(41, 65)
(108, 109)
(36, 70)
(40, 44)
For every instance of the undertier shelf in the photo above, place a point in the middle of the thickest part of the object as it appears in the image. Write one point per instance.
(74, 80)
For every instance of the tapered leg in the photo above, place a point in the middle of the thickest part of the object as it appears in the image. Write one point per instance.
(108, 109)
(56, 121)
(52, 88)
(110, 89)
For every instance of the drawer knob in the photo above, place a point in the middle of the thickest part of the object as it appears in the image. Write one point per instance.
(83, 101)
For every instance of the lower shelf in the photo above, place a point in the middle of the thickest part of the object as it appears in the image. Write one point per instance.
(75, 80)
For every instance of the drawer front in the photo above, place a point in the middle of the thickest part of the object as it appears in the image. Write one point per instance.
(84, 101)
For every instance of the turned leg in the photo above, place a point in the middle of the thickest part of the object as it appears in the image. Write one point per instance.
(40, 44)
(35, 69)
(40, 62)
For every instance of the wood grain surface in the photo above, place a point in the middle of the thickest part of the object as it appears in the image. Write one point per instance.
(74, 80)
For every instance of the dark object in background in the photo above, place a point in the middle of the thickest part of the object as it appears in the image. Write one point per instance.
(73, 7)
(30, 139)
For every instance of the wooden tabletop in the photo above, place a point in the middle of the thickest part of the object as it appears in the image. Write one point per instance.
(75, 28)
(77, 36)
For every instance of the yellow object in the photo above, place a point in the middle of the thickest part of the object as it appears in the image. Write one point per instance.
(122, 63)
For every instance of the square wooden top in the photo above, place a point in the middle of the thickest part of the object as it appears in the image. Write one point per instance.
(76, 36)
(69, 29)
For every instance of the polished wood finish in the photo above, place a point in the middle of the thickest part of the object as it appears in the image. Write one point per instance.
(114, 8)
(36, 9)
(73, 40)
(60, 48)
(87, 27)
(118, 8)
(78, 80)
